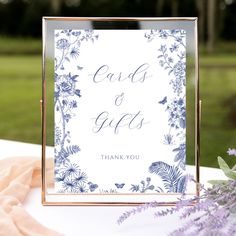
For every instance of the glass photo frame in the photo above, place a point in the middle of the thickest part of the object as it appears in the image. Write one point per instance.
(120, 110)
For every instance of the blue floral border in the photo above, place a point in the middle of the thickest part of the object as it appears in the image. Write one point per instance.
(173, 61)
(68, 175)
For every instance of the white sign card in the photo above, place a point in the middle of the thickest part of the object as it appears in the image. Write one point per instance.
(119, 112)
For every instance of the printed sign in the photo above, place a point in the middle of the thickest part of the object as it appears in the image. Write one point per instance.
(120, 111)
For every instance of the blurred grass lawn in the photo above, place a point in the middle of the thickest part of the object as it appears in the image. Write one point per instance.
(20, 92)
(13, 46)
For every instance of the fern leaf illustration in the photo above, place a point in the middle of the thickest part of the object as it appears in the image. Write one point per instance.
(181, 184)
(72, 149)
(170, 175)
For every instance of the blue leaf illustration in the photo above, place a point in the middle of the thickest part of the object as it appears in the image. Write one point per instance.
(80, 67)
(73, 78)
(181, 152)
(170, 175)
(67, 59)
(77, 92)
(134, 188)
(163, 101)
(181, 184)
(72, 149)
(61, 157)
(182, 123)
(60, 178)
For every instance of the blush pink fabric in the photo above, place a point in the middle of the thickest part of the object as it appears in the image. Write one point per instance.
(17, 176)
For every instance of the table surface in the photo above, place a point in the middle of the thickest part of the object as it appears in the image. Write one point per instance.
(93, 220)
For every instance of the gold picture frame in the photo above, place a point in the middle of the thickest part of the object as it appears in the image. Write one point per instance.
(53, 25)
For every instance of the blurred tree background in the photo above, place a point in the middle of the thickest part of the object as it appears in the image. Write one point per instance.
(20, 61)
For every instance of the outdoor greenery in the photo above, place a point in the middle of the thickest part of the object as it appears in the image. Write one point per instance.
(13, 46)
(20, 92)
(218, 129)
(21, 85)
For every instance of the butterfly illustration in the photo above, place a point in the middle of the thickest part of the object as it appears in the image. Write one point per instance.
(119, 185)
(163, 101)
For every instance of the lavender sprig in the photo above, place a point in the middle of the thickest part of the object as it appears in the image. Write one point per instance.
(231, 152)
(136, 210)
(214, 212)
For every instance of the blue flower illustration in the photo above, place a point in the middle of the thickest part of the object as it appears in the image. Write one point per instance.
(170, 60)
(92, 187)
(74, 52)
(73, 104)
(179, 69)
(61, 157)
(168, 139)
(177, 113)
(68, 45)
(81, 177)
(70, 170)
(143, 187)
(69, 185)
(175, 34)
(76, 33)
(64, 86)
(68, 175)
(81, 188)
(60, 178)
(174, 47)
(163, 34)
(62, 44)
(57, 135)
(171, 57)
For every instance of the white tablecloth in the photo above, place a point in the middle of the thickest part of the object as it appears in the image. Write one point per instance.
(89, 221)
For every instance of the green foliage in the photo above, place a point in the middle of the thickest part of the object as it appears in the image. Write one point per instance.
(225, 168)
(20, 46)
(230, 173)
(217, 92)
(215, 182)
(20, 92)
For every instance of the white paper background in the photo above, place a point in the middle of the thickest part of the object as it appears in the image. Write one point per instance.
(123, 51)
